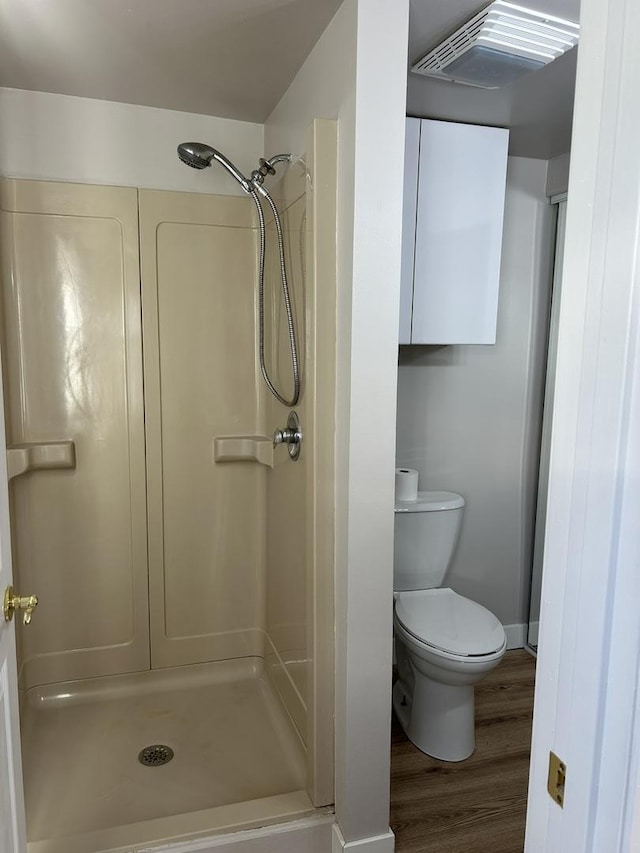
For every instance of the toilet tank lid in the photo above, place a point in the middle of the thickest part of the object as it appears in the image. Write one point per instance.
(431, 502)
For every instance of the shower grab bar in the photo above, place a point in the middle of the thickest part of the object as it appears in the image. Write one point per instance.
(39, 456)
(243, 448)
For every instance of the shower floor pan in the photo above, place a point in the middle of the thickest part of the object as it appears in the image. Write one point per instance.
(237, 762)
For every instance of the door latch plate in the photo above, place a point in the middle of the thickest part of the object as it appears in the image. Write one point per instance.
(556, 779)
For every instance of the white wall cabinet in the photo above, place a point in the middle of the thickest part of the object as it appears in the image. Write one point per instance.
(455, 176)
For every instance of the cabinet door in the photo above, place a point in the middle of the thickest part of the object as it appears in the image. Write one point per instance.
(461, 188)
(411, 154)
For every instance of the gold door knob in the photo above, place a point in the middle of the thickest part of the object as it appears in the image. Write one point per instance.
(13, 602)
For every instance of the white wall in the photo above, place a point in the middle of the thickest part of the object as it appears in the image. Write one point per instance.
(357, 74)
(64, 138)
(469, 416)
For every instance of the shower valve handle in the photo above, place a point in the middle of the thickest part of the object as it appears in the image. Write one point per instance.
(291, 435)
(285, 436)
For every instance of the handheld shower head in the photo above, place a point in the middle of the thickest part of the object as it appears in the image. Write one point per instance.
(199, 156)
(196, 154)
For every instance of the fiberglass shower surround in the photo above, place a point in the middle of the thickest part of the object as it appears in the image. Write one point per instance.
(197, 155)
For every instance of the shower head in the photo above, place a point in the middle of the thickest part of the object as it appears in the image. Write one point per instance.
(195, 154)
(199, 156)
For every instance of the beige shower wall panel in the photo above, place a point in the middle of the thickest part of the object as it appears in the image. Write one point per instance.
(206, 520)
(73, 362)
(287, 532)
(321, 320)
(300, 495)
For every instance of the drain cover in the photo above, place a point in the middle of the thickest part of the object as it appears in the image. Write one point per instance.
(156, 754)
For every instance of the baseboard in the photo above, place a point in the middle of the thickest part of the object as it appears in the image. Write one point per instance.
(516, 635)
(375, 844)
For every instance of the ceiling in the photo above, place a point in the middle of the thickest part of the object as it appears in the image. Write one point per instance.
(236, 58)
(230, 58)
(538, 109)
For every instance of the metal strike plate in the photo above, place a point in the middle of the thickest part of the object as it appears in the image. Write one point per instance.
(556, 779)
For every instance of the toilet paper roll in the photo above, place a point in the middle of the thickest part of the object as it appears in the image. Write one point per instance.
(406, 484)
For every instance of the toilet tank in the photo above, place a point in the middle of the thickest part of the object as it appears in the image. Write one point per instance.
(426, 534)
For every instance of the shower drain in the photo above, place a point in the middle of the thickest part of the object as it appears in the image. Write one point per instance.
(156, 754)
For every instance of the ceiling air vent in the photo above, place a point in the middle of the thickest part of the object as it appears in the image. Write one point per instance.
(498, 46)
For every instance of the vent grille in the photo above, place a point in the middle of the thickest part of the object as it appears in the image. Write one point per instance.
(455, 45)
(507, 28)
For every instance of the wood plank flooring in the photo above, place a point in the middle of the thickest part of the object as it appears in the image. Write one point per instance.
(478, 805)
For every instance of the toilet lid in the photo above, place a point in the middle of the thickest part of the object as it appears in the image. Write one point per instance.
(450, 622)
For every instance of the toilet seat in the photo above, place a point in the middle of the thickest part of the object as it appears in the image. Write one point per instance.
(449, 624)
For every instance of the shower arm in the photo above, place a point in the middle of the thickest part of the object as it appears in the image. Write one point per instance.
(265, 168)
(280, 158)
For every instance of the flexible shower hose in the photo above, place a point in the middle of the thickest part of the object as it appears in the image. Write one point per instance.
(295, 365)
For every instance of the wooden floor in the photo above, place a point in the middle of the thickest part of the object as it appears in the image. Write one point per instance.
(478, 805)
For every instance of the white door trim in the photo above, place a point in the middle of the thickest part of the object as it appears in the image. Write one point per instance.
(588, 656)
(12, 819)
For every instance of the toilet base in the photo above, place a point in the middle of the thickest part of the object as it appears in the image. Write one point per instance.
(438, 718)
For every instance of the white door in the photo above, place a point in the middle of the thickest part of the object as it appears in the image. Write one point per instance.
(12, 824)
(586, 706)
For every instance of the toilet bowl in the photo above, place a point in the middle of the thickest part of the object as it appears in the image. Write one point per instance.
(445, 643)
(439, 663)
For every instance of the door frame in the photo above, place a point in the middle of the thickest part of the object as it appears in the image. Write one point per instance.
(533, 625)
(11, 780)
(589, 650)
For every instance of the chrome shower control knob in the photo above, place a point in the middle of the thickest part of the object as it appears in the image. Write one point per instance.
(291, 436)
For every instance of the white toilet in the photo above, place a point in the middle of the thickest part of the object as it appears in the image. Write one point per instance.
(444, 642)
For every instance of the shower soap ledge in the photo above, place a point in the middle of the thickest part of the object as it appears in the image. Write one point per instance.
(243, 448)
(36, 456)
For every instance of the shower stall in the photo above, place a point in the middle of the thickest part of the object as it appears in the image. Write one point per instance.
(177, 673)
